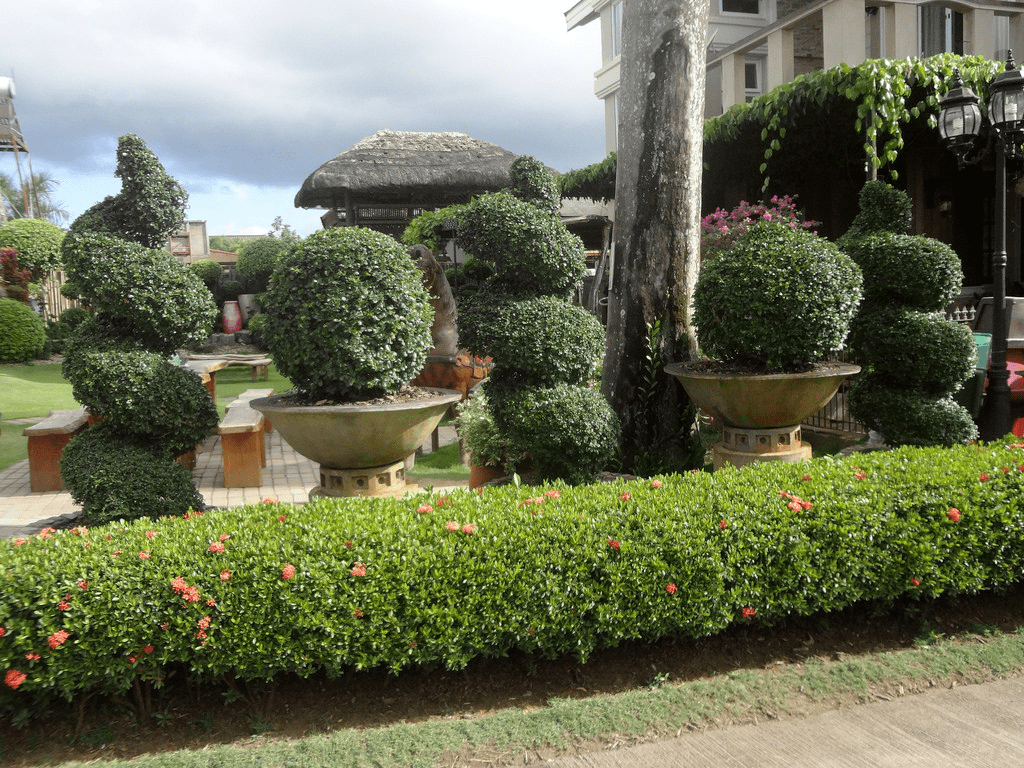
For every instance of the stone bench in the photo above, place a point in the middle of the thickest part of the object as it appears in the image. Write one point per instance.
(46, 442)
(243, 441)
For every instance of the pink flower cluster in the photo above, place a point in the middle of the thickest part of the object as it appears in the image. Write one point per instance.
(720, 230)
(796, 504)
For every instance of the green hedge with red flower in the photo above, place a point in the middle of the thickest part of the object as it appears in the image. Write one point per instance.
(338, 585)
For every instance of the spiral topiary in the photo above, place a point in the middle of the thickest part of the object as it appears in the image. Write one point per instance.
(779, 300)
(914, 272)
(348, 317)
(22, 332)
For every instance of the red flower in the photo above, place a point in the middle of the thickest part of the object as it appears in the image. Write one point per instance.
(348, 545)
(359, 569)
(469, 529)
(656, 483)
(626, 496)
(14, 678)
(613, 543)
(1020, 467)
(358, 613)
(860, 475)
(806, 478)
(424, 508)
(204, 623)
(983, 477)
(132, 659)
(2, 631)
(225, 575)
(19, 542)
(806, 505)
(670, 588)
(225, 536)
(270, 500)
(954, 514)
(57, 639)
(916, 582)
(287, 571)
(32, 656)
(201, 634)
(143, 555)
(191, 594)
(552, 494)
(178, 585)
(150, 534)
(722, 524)
(211, 602)
(795, 505)
(216, 547)
(748, 612)
(83, 584)
(63, 605)
(784, 494)
(147, 649)
(441, 501)
(452, 525)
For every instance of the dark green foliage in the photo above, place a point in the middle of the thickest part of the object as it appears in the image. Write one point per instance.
(547, 340)
(596, 182)
(532, 252)
(427, 228)
(913, 271)
(37, 243)
(907, 417)
(150, 205)
(22, 333)
(228, 290)
(534, 184)
(883, 208)
(257, 259)
(207, 270)
(535, 573)
(348, 316)
(780, 299)
(569, 430)
(139, 293)
(257, 329)
(917, 350)
(115, 479)
(58, 331)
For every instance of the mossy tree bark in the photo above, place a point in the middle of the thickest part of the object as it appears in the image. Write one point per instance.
(657, 217)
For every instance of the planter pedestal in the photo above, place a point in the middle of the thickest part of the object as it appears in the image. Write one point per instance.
(745, 446)
(387, 480)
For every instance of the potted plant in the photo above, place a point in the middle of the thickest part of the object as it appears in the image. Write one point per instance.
(348, 322)
(770, 311)
(490, 455)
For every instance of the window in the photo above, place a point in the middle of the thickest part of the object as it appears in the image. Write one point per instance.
(941, 30)
(616, 28)
(752, 78)
(749, 7)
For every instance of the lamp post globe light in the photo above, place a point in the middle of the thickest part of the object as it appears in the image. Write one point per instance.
(960, 122)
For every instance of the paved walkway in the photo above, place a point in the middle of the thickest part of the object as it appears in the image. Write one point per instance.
(288, 477)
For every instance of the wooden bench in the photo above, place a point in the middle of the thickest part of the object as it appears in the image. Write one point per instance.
(243, 441)
(46, 442)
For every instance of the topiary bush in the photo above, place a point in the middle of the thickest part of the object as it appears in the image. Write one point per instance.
(257, 259)
(207, 270)
(145, 307)
(915, 272)
(348, 317)
(532, 182)
(61, 329)
(908, 417)
(37, 243)
(882, 208)
(22, 332)
(779, 300)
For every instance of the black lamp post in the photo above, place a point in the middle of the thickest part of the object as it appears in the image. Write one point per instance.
(960, 123)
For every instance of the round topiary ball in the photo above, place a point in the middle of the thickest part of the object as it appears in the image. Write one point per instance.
(348, 317)
(207, 270)
(570, 432)
(257, 259)
(916, 350)
(913, 270)
(37, 243)
(907, 418)
(780, 299)
(532, 182)
(882, 208)
(532, 252)
(22, 332)
(545, 339)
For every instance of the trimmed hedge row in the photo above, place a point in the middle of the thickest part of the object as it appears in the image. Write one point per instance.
(341, 584)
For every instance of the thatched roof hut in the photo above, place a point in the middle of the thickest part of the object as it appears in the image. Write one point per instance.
(385, 177)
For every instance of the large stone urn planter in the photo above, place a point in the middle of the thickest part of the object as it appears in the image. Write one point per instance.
(361, 448)
(760, 413)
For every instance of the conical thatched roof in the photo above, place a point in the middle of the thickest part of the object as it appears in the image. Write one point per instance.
(406, 167)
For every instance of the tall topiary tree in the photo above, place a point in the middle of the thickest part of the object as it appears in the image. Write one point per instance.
(913, 358)
(145, 306)
(546, 350)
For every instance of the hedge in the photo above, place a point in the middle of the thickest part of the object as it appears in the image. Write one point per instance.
(438, 580)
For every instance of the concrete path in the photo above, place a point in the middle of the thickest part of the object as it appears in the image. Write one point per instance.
(976, 726)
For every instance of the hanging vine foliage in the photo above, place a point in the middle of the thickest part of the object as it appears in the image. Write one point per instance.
(879, 97)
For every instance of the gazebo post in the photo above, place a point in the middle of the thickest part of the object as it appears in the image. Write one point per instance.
(350, 209)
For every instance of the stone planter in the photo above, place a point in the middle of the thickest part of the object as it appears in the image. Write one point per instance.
(247, 306)
(361, 449)
(761, 413)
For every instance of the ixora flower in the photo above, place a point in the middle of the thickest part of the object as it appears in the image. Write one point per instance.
(424, 508)
(359, 569)
(749, 612)
(626, 496)
(614, 544)
(953, 514)
(469, 529)
(723, 524)
(287, 571)
(225, 575)
(143, 555)
(452, 525)
(282, 518)
(57, 639)
(656, 483)
(216, 547)
(552, 494)
(916, 582)
(670, 588)
(14, 678)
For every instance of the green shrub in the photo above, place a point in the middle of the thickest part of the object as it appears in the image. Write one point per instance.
(37, 243)
(915, 350)
(907, 417)
(570, 432)
(545, 339)
(331, 586)
(257, 259)
(534, 184)
(115, 479)
(57, 331)
(780, 299)
(207, 270)
(532, 252)
(22, 332)
(911, 270)
(476, 428)
(427, 228)
(881, 208)
(258, 329)
(347, 315)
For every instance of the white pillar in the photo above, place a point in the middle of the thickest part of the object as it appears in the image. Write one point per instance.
(979, 33)
(734, 89)
(779, 68)
(843, 32)
(900, 30)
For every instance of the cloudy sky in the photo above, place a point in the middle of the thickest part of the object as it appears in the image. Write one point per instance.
(242, 100)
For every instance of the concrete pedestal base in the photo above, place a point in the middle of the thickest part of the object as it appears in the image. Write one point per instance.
(740, 447)
(387, 480)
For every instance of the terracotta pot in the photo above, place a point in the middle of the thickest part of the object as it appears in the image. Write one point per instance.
(480, 475)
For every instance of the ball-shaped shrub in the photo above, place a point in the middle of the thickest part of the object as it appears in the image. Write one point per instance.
(881, 208)
(905, 417)
(532, 251)
(140, 293)
(257, 259)
(570, 432)
(37, 243)
(533, 183)
(142, 395)
(780, 299)
(207, 270)
(117, 480)
(22, 332)
(348, 317)
(915, 350)
(544, 338)
(912, 270)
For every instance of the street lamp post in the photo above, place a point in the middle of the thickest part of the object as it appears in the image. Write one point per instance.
(960, 122)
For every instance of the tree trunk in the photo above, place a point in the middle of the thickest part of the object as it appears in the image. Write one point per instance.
(657, 218)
